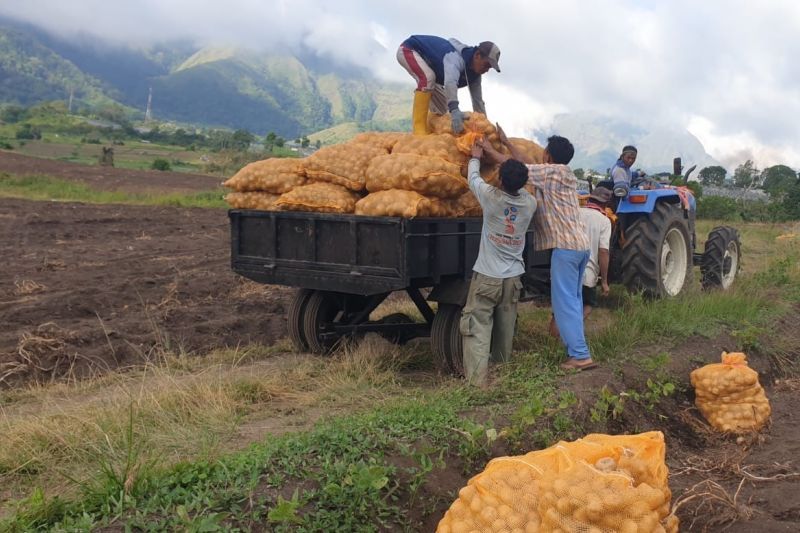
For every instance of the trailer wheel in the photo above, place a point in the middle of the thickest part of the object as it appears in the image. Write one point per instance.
(321, 309)
(446, 341)
(296, 318)
(721, 258)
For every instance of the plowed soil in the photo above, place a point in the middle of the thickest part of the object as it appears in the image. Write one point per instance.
(92, 287)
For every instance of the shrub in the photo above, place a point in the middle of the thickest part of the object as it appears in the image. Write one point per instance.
(26, 131)
(161, 164)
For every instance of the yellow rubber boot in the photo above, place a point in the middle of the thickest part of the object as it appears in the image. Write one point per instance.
(419, 116)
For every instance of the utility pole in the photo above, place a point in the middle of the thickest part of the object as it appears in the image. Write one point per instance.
(148, 114)
(71, 94)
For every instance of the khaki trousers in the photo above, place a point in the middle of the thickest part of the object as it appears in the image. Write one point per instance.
(487, 324)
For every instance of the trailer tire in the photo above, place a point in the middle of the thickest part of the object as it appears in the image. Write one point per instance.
(722, 258)
(446, 341)
(322, 308)
(296, 317)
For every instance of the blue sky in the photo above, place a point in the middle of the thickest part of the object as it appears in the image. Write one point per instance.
(726, 70)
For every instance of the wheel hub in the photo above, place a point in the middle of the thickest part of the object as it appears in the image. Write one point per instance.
(673, 261)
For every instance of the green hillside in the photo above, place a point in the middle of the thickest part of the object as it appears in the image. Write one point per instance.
(211, 86)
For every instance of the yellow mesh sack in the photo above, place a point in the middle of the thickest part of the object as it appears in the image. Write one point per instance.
(473, 122)
(598, 484)
(276, 175)
(429, 176)
(342, 164)
(252, 200)
(400, 203)
(382, 139)
(729, 395)
(529, 148)
(320, 197)
(465, 205)
(442, 146)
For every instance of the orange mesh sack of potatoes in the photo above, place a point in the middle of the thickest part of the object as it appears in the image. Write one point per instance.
(400, 203)
(473, 122)
(600, 483)
(729, 395)
(465, 205)
(276, 175)
(381, 139)
(430, 176)
(532, 151)
(252, 200)
(319, 197)
(442, 146)
(342, 164)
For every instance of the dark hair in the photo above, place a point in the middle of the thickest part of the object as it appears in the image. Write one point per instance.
(513, 175)
(628, 148)
(560, 149)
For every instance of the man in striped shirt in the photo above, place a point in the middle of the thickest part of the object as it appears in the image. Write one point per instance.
(558, 227)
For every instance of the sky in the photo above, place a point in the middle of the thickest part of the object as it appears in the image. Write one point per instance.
(726, 70)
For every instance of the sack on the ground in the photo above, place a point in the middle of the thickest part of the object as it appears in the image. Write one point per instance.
(320, 197)
(342, 164)
(252, 200)
(429, 176)
(729, 395)
(276, 175)
(442, 146)
(400, 203)
(382, 139)
(600, 483)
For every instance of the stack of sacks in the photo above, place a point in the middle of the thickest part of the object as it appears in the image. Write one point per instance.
(258, 185)
(600, 483)
(729, 395)
(375, 174)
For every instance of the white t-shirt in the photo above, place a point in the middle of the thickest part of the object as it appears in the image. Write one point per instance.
(598, 228)
(505, 220)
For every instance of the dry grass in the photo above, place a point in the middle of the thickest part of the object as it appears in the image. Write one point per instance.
(55, 435)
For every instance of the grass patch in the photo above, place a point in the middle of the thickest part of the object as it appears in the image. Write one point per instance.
(48, 188)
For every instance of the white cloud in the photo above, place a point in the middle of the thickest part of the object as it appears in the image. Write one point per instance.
(731, 62)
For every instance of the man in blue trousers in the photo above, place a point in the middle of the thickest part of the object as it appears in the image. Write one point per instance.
(558, 227)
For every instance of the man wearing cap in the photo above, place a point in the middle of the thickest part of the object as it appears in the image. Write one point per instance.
(440, 67)
(621, 174)
(598, 230)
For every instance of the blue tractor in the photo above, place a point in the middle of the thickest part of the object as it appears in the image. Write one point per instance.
(654, 244)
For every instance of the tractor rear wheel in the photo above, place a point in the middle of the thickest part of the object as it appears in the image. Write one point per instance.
(721, 258)
(446, 341)
(657, 253)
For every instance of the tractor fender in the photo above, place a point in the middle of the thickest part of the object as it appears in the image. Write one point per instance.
(652, 197)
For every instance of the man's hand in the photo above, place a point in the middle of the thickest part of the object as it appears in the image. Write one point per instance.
(604, 286)
(501, 134)
(457, 119)
(477, 149)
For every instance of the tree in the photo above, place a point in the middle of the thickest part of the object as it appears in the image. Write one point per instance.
(241, 139)
(778, 179)
(713, 175)
(279, 142)
(746, 175)
(578, 173)
(161, 164)
(318, 144)
(26, 131)
(269, 141)
(12, 114)
(305, 141)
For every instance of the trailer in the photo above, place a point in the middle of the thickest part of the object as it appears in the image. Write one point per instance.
(344, 266)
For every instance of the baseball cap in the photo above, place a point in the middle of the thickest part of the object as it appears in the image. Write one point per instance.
(601, 195)
(491, 52)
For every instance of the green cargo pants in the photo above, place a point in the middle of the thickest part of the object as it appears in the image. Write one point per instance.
(487, 324)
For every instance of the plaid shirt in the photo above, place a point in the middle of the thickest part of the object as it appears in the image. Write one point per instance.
(557, 221)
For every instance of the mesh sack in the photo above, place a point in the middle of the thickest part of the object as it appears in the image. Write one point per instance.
(342, 164)
(400, 203)
(729, 395)
(533, 151)
(442, 146)
(598, 484)
(276, 175)
(382, 139)
(465, 205)
(321, 197)
(473, 122)
(252, 200)
(430, 176)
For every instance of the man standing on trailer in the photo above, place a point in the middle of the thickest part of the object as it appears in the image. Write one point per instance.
(440, 67)
(488, 320)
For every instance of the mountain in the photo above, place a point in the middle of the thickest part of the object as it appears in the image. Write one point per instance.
(278, 92)
(598, 141)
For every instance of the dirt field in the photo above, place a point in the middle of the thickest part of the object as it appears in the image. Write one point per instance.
(95, 286)
(108, 178)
